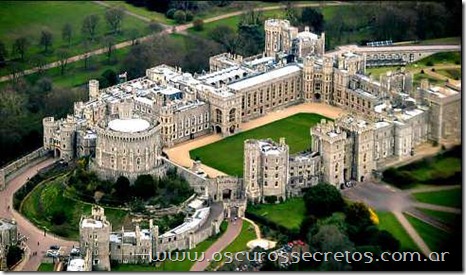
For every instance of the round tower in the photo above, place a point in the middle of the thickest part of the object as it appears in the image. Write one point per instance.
(93, 89)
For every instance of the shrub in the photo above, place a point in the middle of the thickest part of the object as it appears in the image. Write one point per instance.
(270, 199)
(170, 13)
(180, 16)
(189, 16)
(430, 63)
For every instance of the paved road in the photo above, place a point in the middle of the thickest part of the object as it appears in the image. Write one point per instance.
(25, 227)
(229, 236)
(180, 153)
(388, 198)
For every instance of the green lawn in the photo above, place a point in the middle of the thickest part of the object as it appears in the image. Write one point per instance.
(240, 243)
(438, 41)
(289, 214)
(388, 221)
(294, 128)
(28, 18)
(142, 11)
(45, 267)
(451, 198)
(49, 197)
(451, 73)
(445, 217)
(433, 237)
(232, 22)
(175, 266)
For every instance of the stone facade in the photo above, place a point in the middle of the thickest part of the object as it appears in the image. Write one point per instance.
(94, 238)
(265, 169)
(8, 233)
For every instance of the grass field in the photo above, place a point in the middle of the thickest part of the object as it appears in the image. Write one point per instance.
(45, 267)
(445, 217)
(232, 22)
(173, 265)
(240, 243)
(451, 73)
(451, 198)
(289, 214)
(433, 237)
(388, 221)
(49, 197)
(294, 128)
(29, 18)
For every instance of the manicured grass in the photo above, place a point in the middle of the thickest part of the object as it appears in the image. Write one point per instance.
(388, 221)
(30, 18)
(451, 73)
(227, 154)
(49, 197)
(433, 237)
(240, 243)
(450, 198)
(376, 72)
(432, 80)
(46, 267)
(448, 165)
(176, 266)
(142, 11)
(442, 58)
(445, 217)
(233, 22)
(289, 214)
(439, 41)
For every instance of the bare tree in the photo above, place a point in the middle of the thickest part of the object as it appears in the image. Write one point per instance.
(46, 39)
(114, 17)
(3, 54)
(20, 47)
(39, 62)
(63, 56)
(109, 44)
(67, 33)
(89, 26)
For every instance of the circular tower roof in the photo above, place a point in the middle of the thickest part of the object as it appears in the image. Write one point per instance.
(129, 125)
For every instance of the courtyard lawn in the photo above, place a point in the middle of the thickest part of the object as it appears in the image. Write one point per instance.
(388, 221)
(289, 214)
(46, 267)
(450, 198)
(227, 154)
(445, 217)
(28, 19)
(433, 237)
(143, 11)
(49, 198)
(175, 266)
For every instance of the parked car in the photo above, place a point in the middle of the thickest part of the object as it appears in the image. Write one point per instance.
(54, 247)
(52, 253)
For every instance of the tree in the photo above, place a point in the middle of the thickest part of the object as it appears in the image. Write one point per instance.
(226, 36)
(189, 16)
(14, 254)
(108, 78)
(109, 43)
(20, 46)
(179, 16)
(322, 200)
(198, 25)
(144, 187)
(122, 188)
(67, 33)
(3, 54)
(63, 56)
(291, 13)
(155, 27)
(313, 18)
(46, 39)
(38, 61)
(114, 17)
(89, 26)
(134, 35)
(170, 13)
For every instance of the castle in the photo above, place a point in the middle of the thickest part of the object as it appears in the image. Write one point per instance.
(123, 129)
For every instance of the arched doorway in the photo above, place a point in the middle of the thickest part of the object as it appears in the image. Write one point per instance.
(218, 129)
(362, 178)
(57, 153)
(317, 96)
(227, 194)
(232, 129)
